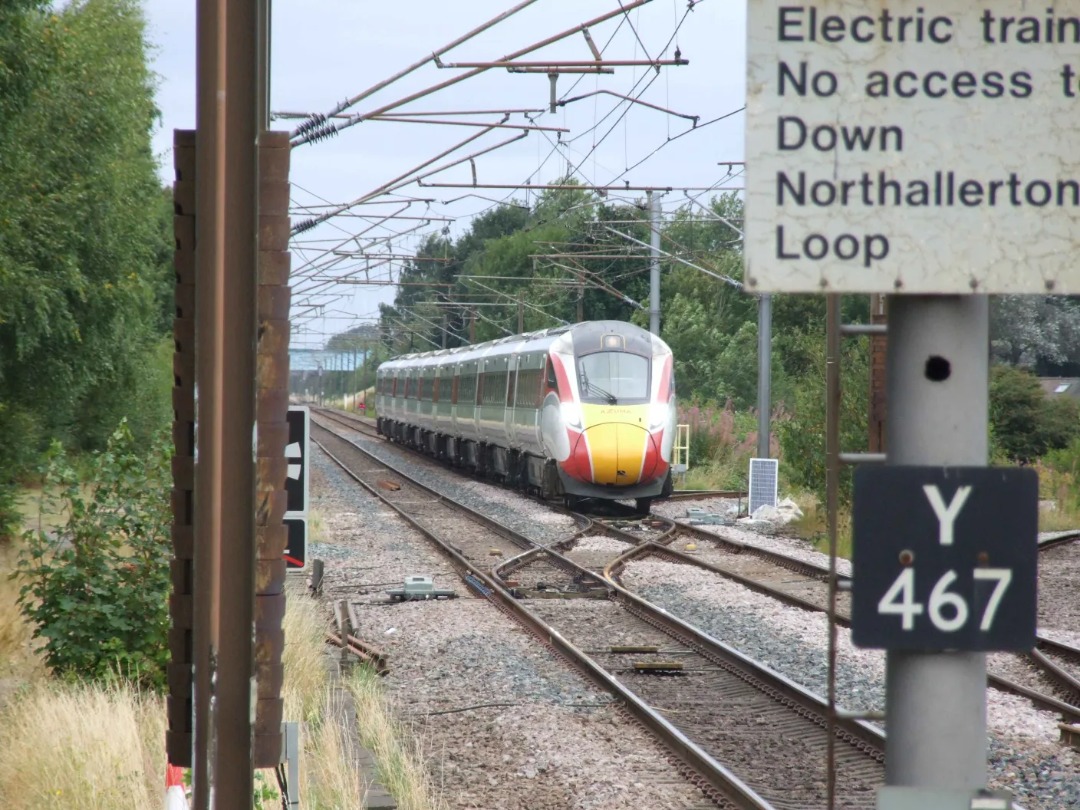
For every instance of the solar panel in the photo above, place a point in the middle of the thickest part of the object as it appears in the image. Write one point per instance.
(763, 474)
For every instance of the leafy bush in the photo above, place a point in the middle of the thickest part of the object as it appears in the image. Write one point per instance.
(722, 441)
(1025, 423)
(96, 589)
(802, 436)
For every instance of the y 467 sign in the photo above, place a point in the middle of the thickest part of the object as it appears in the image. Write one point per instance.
(945, 558)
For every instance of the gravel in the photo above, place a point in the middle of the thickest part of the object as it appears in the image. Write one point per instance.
(558, 744)
(1025, 755)
(535, 520)
(1059, 571)
(792, 546)
(601, 542)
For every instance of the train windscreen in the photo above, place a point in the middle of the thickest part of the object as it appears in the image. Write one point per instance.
(613, 377)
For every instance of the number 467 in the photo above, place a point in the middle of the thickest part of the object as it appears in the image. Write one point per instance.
(899, 600)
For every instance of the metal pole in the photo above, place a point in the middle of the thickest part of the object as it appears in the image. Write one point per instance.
(262, 75)
(936, 702)
(236, 316)
(580, 297)
(764, 374)
(832, 493)
(206, 502)
(654, 263)
(227, 232)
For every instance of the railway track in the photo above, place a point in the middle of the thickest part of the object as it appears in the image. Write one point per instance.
(1049, 675)
(716, 678)
(1048, 679)
(1055, 539)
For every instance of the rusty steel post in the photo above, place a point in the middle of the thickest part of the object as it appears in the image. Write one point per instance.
(207, 254)
(272, 404)
(227, 232)
(178, 737)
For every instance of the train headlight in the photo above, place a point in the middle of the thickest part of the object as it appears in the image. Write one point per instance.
(571, 414)
(659, 413)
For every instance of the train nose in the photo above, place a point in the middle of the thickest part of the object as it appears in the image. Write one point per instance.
(619, 451)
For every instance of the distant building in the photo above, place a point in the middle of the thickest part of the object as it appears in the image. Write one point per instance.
(1060, 386)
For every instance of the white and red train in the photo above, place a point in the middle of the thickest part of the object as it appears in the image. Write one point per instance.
(573, 412)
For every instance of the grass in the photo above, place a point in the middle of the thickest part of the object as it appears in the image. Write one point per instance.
(19, 662)
(328, 773)
(399, 755)
(43, 508)
(328, 776)
(1058, 489)
(82, 747)
(728, 474)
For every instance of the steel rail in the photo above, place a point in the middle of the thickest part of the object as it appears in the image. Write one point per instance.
(1058, 539)
(1064, 679)
(723, 782)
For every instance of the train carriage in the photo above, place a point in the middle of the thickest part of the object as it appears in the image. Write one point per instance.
(581, 411)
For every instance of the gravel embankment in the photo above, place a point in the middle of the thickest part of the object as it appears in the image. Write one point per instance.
(791, 546)
(555, 746)
(1059, 591)
(1025, 755)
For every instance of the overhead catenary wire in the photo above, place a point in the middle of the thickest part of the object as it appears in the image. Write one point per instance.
(318, 267)
(326, 129)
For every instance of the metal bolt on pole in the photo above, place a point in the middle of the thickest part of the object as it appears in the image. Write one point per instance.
(937, 390)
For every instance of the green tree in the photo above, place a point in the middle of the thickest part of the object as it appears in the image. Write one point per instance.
(802, 434)
(83, 250)
(1025, 423)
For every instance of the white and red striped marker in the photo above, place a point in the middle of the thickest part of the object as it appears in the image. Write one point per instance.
(175, 798)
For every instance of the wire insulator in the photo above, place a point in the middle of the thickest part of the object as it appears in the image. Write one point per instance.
(313, 121)
(322, 132)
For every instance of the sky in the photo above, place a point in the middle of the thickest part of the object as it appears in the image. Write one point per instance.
(327, 51)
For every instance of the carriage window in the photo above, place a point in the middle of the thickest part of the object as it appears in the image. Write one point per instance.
(606, 376)
(528, 388)
(494, 388)
(552, 379)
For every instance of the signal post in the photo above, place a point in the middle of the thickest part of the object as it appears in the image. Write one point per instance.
(922, 152)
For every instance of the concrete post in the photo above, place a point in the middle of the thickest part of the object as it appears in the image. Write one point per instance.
(937, 390)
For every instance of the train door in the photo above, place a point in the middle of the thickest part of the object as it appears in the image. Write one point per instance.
(508, 414)
(529, 396)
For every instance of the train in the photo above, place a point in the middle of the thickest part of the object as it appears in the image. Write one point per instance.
(575, 412)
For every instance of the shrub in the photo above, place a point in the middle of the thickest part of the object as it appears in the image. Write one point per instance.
(1025, 423)
(96, 588)
(802, 434)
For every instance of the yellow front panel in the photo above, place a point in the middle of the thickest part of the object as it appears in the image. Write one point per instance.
(616, 435)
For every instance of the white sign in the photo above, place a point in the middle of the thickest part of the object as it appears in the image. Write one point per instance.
(913, 147)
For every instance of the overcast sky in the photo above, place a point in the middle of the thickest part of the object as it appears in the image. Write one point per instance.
(325, 51)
